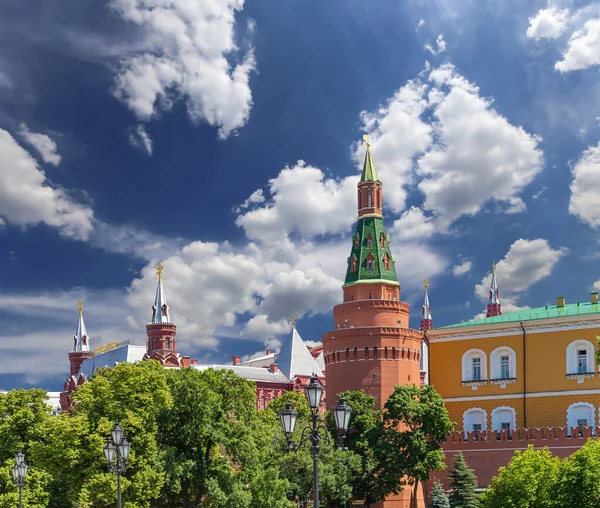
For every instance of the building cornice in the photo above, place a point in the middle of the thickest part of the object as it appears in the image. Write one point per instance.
(372, 281)
(512, 328)
(563, 393)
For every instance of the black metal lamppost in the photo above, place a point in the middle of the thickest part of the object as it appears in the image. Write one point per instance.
(19, 471)
(341, 412)
(116, 453)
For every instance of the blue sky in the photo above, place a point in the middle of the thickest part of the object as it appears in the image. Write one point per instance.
(223, 139)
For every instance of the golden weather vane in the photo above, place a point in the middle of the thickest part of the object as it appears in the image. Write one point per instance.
(159, 271)
(425, 283)
(293, 321)
(80, 307)
(366, 138)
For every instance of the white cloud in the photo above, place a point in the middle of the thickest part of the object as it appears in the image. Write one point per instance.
(26, 197)
(397, 134)
(413, 225)
(420, 24)
(478, 155)
(45, 146)
(140, 139)
(462, 269)
(583, 50)
(585, 187)
(303, 201)
(189, 53)
(548, 23)
(525, 263)
(255, 198)
(440, 44)
(596, 285)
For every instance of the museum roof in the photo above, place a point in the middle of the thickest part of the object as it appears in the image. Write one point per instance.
(546, 312)
(250, 373)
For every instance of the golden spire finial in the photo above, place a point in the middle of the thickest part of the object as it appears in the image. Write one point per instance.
(366, 138)
(80, 307)
(293, 321)
(159, 271)
(425, 283)
(493, 266)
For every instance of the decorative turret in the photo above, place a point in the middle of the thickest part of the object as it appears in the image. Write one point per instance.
(369, 187)
(161, 332)
(426, 322)
(493, 308)
(81, 344)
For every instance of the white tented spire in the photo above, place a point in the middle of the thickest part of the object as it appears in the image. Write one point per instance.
(160, 309)
(426, 313)
(81, 341)
(494, 295)
(295, 359)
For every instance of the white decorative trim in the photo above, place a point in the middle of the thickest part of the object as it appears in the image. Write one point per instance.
(513, 328)
(503, 382)
(495, 365)
(467, 366)
(581, 377)
(474, 384)
(513, 421)
(571, 357)
(474, 410)
(520, 395)
(372, 281)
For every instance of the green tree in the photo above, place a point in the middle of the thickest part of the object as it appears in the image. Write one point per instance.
(415, 423)
(528, 481)
(463, 483)
(215, 445)
(360, 439)
(577, 477)
(438, 498)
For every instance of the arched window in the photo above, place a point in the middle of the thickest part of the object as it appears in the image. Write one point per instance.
(369, 199)
(356, 241)
(382, 240)
(164, 310)
(504, 418)
(347, 357)
(366, 353)
(353, 263)
(503, 363)
(369, 240)
(580, 414)
(393, 353)
(385, 349)
(168, 343)
(474, 365)
(352, 298)
(386, 262)
(262, 402)
(355, 354)
(370, 262)
(370, 296)
(474, 419)
(580, 357)
(153, 312)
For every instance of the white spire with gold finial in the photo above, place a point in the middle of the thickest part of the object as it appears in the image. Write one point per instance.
(80, 339)
(160, 309)
(426, 322)
(494, 308)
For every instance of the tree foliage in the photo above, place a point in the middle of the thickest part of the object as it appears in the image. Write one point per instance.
(438, 498)
(463, 484)
(528, 481)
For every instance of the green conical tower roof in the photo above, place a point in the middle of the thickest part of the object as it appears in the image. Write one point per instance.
(369, 174)
(370, 258)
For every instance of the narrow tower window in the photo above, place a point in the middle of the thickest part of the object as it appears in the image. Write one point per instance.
(386, 262)
(353, 263)
(504, 367)
(581, 361)
(356, 242)
(369, 199)
(382, 240)
(369, 264)
(476, 369)
(369, 240)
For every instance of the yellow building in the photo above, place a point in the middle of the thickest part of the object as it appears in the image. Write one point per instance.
(531, 368)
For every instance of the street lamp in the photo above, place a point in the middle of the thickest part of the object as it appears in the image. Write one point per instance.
(288, 417)
(116, 453)
(19, 471)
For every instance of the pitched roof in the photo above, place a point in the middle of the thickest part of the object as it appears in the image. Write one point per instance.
(250, 373)
(295, 359)
(81, 336)
(369, 174)
(373, 226)
(127, 353)
(546, 312)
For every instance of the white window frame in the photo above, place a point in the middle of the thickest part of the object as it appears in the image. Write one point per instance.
(467, 364)
(468, 417)
(499, 417)
(574, 413)
(496, 362)
(572, 356)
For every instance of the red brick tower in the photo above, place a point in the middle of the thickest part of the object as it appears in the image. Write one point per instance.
(371, 347)
(161, 332)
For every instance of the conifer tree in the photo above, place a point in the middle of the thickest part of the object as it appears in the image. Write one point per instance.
(463, 484)
(438, 498)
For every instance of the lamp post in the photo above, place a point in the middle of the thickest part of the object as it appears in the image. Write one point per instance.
(116, 453)
(19, 471)
(342, 412)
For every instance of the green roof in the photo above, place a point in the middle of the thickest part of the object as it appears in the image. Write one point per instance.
(369, 174)
(546, 312)
(360, 250)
